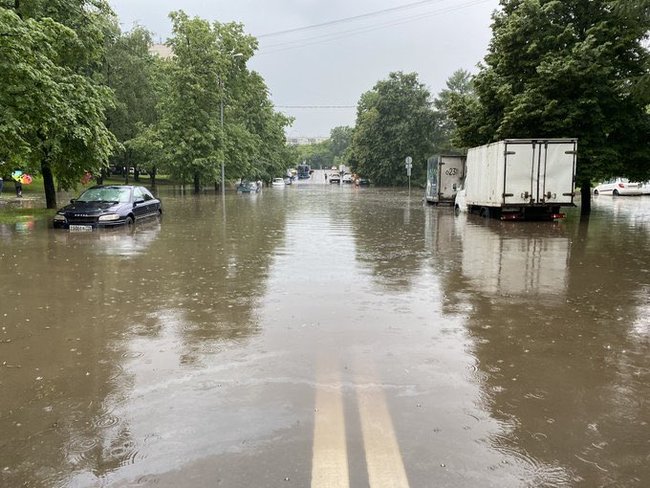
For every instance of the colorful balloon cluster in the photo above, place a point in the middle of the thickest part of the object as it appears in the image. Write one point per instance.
(21, 177)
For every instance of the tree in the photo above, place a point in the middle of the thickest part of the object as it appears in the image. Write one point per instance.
(339, 143)
(458, 84)
(576, 68)
(394, 120)
(52, 107)
(130, 71)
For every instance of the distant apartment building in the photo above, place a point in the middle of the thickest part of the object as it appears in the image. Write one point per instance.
(301, 141)
(161, 50)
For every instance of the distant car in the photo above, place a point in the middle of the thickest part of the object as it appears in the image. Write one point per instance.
(248, 187)
(278, 182)
(619, 186)
(347, 178)
(362, 182)
(108, 206)
(335, 178)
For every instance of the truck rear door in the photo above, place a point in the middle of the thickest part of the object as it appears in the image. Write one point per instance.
(539, 172)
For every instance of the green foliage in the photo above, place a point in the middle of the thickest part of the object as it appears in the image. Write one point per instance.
(459, 84)
(394, 120)
(574, 68)
(331, 152)
(132, 72)
(208, 74)
(52, 107)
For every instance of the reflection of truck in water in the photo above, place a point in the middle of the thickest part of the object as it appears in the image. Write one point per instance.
(444, 177)
(507, 261)
(304, 171)
(519, 179)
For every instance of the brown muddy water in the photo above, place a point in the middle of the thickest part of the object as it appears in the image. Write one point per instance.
(327, 336)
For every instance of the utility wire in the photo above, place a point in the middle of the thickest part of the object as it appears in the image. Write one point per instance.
(315, 106)
(273, 48)
(349, 19)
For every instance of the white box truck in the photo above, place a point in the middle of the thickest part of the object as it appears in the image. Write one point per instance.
(519, 179)
(444, 177)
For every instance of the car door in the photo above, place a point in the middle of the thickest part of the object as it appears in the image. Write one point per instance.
(152, 203)
(139, 202)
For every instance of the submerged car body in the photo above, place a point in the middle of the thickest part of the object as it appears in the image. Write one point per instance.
(279, 182)
(108, 206)
(619, 186)
(249, 187)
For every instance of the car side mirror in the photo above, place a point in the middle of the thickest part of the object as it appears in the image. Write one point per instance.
(138, 202)
(72, 200)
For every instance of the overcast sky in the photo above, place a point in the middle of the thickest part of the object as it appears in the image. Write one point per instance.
(336, 63)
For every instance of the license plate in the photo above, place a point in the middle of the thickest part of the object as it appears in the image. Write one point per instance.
(81, 228)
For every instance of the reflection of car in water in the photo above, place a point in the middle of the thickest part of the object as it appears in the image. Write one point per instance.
(108, 206)
(619, 186)
(114, 242)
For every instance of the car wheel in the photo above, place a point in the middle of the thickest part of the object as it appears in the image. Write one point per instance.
(129, 221)
(615, 193)
(485, 212)
(595, 192)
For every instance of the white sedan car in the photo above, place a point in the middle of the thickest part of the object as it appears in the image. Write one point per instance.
(618, 186)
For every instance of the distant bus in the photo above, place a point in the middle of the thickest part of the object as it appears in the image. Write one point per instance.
(304, 171)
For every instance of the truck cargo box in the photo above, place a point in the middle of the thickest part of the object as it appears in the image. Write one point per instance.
(521, 178)
(444, 177)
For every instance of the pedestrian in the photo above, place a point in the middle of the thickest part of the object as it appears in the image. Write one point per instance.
(325, 177)
(1, 184)
(19, 188)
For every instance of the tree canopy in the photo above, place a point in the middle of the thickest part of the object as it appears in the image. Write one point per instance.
(52, 109)
(572, 68)
(394, 120)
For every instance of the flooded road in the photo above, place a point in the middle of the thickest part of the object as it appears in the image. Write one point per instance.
(327, 336)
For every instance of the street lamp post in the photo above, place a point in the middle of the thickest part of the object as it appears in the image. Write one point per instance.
(223, 166)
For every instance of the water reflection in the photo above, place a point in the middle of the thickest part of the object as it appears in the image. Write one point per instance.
(69, 345)
(388, 237)
(515, 260)
(515, 354)
(552, 313)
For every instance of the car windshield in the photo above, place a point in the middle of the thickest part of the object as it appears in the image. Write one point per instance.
(108, 194)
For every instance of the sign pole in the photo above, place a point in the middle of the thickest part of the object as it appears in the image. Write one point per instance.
(409, 165)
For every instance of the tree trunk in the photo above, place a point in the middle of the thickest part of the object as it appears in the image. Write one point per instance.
(585, 195)
(152, 177)
(48, 183)
(197, 184)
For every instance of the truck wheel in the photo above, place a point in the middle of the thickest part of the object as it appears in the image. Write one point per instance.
(485, 212)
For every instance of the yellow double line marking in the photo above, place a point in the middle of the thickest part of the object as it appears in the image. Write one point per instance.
(330, 458)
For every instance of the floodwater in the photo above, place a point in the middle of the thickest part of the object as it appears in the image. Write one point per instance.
(327, 336)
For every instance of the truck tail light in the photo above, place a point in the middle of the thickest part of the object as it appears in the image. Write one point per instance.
(557, 216)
